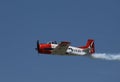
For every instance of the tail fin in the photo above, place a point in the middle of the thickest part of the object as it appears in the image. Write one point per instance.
(89, 45)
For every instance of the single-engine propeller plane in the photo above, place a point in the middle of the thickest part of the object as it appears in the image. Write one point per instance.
(64, 48)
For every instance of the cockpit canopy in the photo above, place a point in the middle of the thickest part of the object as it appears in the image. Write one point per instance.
(52, 42)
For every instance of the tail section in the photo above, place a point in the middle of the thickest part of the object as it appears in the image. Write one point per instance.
(90, 46)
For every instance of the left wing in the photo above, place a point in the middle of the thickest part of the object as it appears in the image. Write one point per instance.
(61, 48)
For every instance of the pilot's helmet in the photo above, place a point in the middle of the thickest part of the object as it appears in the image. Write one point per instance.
(55, 42)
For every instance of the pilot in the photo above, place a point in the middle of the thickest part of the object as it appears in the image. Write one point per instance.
(55, 42)
(52, 42)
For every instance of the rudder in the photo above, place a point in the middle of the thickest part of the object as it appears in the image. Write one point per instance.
(90, 44)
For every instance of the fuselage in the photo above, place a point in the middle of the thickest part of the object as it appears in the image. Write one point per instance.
(71, 50)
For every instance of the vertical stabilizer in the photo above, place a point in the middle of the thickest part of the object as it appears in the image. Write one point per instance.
(89, 46)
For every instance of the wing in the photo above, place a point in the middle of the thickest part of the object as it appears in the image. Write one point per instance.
(61, 48)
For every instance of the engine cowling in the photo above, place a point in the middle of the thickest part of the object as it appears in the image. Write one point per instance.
(45, 48)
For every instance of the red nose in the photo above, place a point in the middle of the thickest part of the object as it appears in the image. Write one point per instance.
(45, 48)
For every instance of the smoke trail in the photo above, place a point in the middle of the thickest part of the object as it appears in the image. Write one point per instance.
(106, 56)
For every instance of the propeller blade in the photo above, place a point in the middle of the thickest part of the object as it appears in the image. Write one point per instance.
(37, 46)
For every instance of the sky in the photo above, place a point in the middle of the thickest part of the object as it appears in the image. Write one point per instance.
(22, 22)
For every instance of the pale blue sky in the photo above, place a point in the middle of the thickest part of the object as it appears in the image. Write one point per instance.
(22, 22)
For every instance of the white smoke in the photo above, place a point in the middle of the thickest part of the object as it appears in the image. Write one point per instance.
(106, 56)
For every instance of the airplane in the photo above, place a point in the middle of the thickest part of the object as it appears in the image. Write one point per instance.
(64, 49)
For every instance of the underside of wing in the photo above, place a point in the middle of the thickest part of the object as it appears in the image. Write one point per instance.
(61, 48)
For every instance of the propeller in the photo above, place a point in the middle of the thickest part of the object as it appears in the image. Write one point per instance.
(37, 46)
